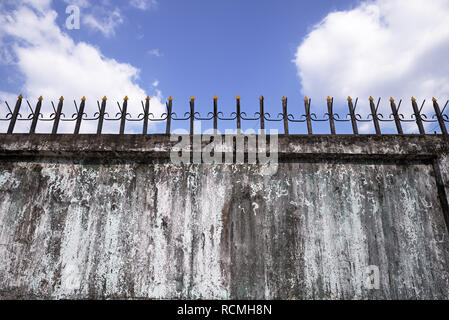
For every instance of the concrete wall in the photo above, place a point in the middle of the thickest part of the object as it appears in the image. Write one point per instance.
(111, 217)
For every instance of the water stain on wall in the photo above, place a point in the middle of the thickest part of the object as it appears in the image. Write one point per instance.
(76, 229)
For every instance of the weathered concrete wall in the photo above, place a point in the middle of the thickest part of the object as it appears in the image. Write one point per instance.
(74, 224)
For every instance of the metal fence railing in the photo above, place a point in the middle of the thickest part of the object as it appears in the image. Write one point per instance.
(308, 117)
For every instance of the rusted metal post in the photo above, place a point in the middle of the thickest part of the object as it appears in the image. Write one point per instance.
(215, 114)
(146, 111)
(352, 115)
(123, 115)
(192, 112)
(285, 114)
(308, 117)
(238, 115)
(262, 113)
(374, 114)
(439, 117)
(417, 113)
(79, 117)
(36, 114)
(15, 114)
(169, 111)
(101, 115)
(57, 116)
(330, 112)
(395, 112)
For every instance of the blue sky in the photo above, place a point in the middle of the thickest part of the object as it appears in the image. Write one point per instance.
(227, 48)
(214, 47)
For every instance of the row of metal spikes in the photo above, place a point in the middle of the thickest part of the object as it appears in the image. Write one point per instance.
(101, 115)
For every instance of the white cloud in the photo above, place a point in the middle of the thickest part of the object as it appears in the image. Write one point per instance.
(155, 52)
(381, 48)
(53, 64)
(144, 4)
(106, 24)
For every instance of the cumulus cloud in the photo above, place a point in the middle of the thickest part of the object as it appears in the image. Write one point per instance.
(53, 64)
(381, 48)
